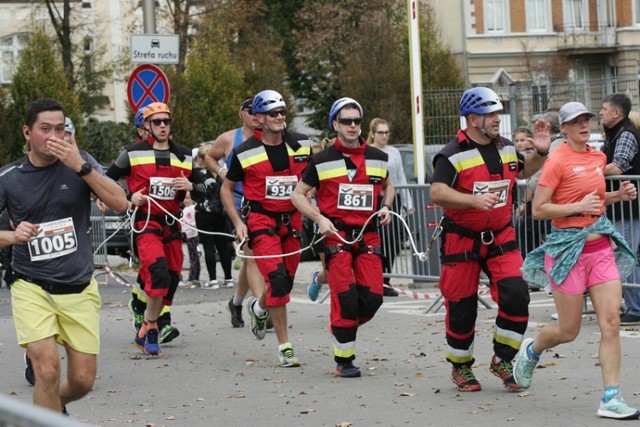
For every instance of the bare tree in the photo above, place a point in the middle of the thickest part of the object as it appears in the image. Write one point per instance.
(62, 26)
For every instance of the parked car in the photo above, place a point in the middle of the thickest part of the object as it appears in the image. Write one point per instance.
(408, 160)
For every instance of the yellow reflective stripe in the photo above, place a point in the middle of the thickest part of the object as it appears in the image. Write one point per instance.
(142, 160)
(469, 162)
(332, 173)
(512, 341)
(346, 350)
(509, 157)
(459, 359)
(252, 160)
(374, 171)
(184, 165)
(301, 150)
(457, 355)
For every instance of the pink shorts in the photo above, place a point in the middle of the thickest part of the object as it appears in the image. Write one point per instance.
(596, 264)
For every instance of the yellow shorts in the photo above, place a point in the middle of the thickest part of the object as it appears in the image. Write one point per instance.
(73, 319)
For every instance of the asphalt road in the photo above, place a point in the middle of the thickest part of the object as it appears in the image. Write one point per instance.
(214, 374)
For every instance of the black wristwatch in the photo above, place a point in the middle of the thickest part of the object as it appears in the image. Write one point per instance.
(85, 169)
(545, 154)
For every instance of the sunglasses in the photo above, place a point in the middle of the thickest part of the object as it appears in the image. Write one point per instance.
(383, 132)
(158, 122)
(349, 122)
(276, 113)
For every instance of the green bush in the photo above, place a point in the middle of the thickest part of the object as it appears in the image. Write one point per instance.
(104, 140)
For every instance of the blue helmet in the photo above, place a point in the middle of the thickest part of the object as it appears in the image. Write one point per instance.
(479, 100)
(267, 100)
(139, 118)
(339, 105)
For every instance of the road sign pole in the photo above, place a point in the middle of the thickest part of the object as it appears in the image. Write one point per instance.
(149, 16)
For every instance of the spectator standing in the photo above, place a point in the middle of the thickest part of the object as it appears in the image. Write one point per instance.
(394, 235)
(522, 139)
(621, 147)
(211, 218)
(191, 239)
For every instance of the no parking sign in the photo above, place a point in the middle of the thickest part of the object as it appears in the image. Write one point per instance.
(147, 84)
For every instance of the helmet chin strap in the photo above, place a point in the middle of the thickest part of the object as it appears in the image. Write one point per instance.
(483, 129)
(155, 137)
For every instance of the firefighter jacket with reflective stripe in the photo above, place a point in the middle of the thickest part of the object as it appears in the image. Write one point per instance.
(472, 172)
(256, 167)
(332, 172)
(144, 166)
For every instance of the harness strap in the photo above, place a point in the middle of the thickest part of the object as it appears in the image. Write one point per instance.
(479, 238)
(257, 207)
(281, 218)
(162, 220)
(353, 232)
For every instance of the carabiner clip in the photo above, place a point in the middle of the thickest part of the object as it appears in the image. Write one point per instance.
(483, 236)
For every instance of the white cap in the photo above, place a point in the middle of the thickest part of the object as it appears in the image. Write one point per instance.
(571, 110)
(68, 126)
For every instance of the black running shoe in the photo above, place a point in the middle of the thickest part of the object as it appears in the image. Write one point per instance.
(28, 370)
(236, 314)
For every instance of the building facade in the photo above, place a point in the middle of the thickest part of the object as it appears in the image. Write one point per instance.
(498, 42)
(98, 26)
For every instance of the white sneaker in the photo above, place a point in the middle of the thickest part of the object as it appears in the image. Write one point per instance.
(616, 408)
(211, 284)
(228, 283)
(286, 358)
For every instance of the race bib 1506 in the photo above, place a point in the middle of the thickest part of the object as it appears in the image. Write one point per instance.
(162, 188)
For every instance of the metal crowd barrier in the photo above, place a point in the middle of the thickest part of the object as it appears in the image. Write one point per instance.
(98, 235)
(16, 413)
(530, 232)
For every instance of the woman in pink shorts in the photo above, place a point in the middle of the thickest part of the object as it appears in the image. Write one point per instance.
(578, 256)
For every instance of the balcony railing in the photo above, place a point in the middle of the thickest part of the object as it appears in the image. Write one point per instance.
(593, 35)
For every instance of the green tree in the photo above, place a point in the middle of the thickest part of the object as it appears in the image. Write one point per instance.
(105, 140)
(335, 48)
(206, 99)
(5, 128)
(39, 74)
(233, 54)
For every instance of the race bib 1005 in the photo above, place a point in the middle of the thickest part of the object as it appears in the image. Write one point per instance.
(55, 239)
